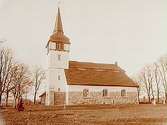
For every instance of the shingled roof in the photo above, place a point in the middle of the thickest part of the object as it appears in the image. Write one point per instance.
(96, 74)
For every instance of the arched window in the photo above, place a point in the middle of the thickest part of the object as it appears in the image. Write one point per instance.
(59, 57)
(85, 92)
(105, 92)
(123, 92)
(59, 77)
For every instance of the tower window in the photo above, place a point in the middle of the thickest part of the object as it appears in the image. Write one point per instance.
(66, 47)
(59, 57)
(52, 46)
(59, 46)
(123, 92)
(58, 77)
(85, 92)
(105, 92)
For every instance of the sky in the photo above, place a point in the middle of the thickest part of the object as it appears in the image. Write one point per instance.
(131, 32)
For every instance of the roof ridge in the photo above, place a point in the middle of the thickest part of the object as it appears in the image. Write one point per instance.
(92, 62)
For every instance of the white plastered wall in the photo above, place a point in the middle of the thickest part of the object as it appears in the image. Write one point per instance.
(75, 91)
(56, 78)
(79, 88)
(54, 62)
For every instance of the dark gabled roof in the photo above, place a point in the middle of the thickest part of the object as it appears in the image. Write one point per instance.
(95, 74)
(90, 65)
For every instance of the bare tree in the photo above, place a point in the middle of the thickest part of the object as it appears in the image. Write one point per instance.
(163, 74)
(9, 85)
(146, 78)
(38, 77)
(13, 76)
(138, 93)
(157, 80)
(154, 79)
(21, 80)
(6, 62)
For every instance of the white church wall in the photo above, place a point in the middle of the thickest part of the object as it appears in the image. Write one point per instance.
(57, 80)
(58, 59)
(100, 88)
(57, 86)
(67, 47)
(95, 95)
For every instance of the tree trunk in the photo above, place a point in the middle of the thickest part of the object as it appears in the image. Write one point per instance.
(15, 102)
(152, 91)
(138, 94)
(165, 97)
(0, 99)
(158, 96)
(149, 98)
(35, 94)
(7, 96)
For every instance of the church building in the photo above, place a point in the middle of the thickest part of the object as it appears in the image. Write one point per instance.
(74, 83)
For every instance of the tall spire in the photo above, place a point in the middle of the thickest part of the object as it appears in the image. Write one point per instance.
(58, 24)
(58, 34)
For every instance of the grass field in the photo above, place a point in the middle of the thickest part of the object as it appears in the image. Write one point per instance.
(88, 115)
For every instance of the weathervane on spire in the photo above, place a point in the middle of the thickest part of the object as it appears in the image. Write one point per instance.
(58, 3)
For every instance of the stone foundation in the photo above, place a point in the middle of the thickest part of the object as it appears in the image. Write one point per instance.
(97, 98)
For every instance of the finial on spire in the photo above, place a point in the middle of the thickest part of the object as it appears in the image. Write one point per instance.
(58, 3)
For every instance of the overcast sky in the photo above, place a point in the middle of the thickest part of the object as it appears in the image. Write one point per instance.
(132, 32)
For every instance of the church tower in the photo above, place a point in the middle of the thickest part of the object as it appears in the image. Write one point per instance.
(58, 48)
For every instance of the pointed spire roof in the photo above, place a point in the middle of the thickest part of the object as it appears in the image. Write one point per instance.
(58, 34)
(58, 24)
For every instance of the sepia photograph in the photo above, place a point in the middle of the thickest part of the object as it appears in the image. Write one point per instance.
(83, 62)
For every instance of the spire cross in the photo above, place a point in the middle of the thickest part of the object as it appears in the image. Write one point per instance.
(58, 3)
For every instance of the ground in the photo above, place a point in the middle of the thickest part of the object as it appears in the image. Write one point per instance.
(88, 115)
(1, 120)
